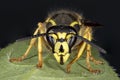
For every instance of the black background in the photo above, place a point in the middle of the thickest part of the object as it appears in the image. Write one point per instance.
(19, 18)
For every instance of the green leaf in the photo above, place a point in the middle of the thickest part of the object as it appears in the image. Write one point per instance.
(51, 70)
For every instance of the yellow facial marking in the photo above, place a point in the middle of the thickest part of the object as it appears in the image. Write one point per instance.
(61, 35)
(61, 49)
(65, 58)
(53, 35)
(70, 35)
(65, 47)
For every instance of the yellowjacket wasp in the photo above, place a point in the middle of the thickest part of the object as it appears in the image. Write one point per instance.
(62, 32)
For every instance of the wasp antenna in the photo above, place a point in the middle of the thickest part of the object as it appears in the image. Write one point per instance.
(30, 37)
(92, 44)
(90, 23)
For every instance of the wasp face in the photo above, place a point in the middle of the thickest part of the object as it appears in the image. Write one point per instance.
(61, 39)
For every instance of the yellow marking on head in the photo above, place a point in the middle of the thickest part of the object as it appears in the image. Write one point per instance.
(61, 35)
(74, 23)
(53, 35)
(65, 58)
(61, 49)
(70, 35)
(51, 21)
(65, 48)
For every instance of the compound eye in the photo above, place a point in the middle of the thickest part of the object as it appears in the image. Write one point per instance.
(51, 39)
(71, 39)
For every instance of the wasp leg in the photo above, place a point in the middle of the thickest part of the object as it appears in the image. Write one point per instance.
(28, 49)
(82, 47)
(88, 61)
(94, 60)
(89, 57)
(81, 50)
(39, 65)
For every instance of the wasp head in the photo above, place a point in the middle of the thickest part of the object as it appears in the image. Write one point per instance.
(61, 39)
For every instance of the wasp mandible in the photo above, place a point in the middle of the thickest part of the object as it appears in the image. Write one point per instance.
(63, 31)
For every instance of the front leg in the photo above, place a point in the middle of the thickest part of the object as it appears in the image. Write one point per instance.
(81, 51)
(27, 51)
(40, 61)
(39, 65)
(88, 60)
(96, 61)
(89, 56)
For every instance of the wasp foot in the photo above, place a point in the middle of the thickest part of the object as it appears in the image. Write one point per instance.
(94, 71)
(96, 61)
(39, 65)
(15, 59)
(68, 68)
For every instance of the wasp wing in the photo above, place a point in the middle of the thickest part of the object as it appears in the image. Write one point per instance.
(92, 44)
(90, 23)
